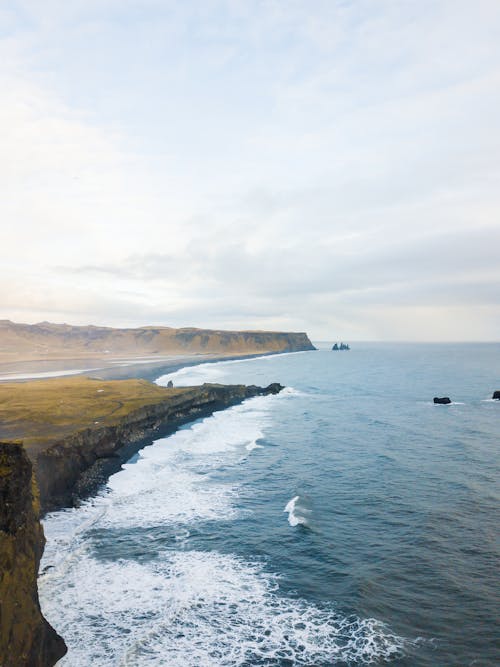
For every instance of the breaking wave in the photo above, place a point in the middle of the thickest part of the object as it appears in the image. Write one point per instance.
(296, 513)
(162, 602)
(199, 609)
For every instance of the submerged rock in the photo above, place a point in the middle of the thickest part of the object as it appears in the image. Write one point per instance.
(442, 401)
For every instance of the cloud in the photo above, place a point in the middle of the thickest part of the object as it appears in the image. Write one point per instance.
(317, 166)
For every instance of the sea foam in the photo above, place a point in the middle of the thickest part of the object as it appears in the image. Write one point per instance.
(201, 609)
(212, 371)
(295, 513)
(178, 606)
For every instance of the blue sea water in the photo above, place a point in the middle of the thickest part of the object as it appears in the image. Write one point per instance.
(346, 521)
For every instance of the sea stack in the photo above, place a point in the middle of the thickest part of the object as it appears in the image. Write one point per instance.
(496, 395)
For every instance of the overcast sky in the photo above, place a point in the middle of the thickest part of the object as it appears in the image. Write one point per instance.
(328, 166)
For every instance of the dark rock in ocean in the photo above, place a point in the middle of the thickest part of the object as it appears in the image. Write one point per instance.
(343, 346)
(26, 638)
(442, 401)
(274, 388)
(496, 395)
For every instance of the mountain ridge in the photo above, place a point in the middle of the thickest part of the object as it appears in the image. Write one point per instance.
(48, 340)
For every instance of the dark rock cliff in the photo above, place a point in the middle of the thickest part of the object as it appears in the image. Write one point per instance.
(26, 638)
(74, 462)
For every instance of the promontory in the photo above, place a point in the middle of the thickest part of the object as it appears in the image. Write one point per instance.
(45, 341)
(59, 440)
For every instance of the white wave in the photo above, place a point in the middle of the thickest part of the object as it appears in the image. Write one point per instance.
(65, 532)
(197, 609)
(211, 371)
(171, 482)
(448, 404)
(190, 376)
(187, 608)
(253, 445)
(291, 391)
(294, 518)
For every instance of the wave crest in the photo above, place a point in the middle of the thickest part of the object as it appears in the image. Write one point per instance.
(193, 609)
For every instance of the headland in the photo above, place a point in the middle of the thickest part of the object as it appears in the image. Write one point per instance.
(59, 440)
(48, 341)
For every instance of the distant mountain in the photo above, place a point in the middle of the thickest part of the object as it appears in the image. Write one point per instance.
(46, 340)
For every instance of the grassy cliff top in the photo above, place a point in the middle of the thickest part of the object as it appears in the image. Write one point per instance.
(43, 411)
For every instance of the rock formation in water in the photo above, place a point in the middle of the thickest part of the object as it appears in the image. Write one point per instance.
(496, 395)
(55, 341)
(26, 638)
(442, 401)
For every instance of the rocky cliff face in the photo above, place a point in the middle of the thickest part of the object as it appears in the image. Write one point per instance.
(77, 462)
(46, 340)
(26, 638)
(74, 463)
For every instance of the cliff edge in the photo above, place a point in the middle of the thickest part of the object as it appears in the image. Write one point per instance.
(75, 431)
(26, 638)
(46, 340)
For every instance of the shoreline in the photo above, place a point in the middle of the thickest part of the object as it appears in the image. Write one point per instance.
(76, 467)
(40, 478)
(120, 368)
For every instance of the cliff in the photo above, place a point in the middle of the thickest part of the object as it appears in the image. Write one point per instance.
(26, 638)
(75, 431)
(57, 341)
(82, 460)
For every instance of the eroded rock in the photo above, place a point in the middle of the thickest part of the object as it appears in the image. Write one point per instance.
(26, 638)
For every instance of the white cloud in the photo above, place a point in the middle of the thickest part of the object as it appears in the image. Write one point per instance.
(328, 166)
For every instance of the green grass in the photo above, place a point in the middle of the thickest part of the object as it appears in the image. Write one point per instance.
(42, 411)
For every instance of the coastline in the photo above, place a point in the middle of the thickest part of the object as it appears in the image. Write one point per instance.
(76, 466)
(41, 476)
(77, 430)
(122, 368)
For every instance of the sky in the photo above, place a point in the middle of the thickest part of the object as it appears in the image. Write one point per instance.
(322, 166)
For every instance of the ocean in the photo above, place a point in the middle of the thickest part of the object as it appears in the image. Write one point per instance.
(346, 521)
